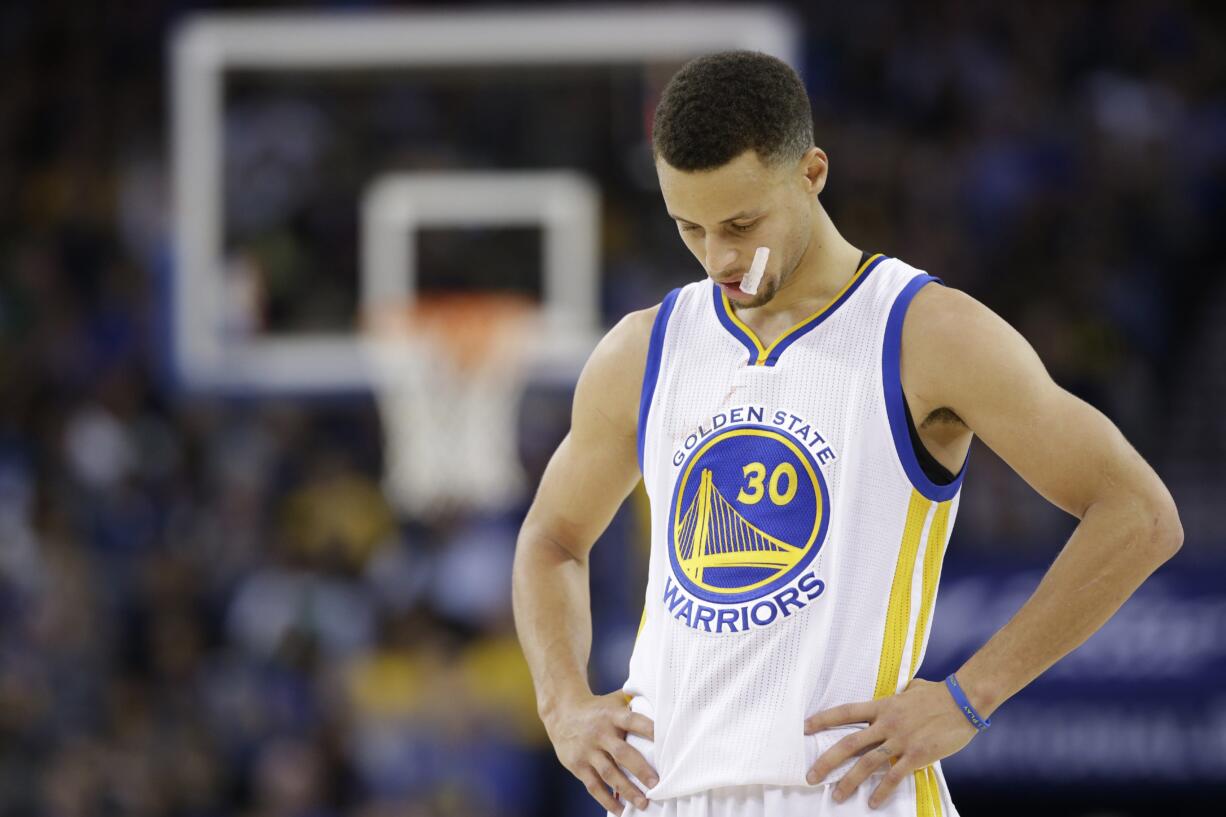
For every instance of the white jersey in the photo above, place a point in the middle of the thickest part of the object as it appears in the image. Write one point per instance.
(796, 540)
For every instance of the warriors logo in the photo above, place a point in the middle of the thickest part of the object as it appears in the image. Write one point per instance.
(749, 513)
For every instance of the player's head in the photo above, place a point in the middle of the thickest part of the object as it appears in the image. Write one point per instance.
(733, 136)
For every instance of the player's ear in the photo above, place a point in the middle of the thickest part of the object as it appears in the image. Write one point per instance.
(813, 167)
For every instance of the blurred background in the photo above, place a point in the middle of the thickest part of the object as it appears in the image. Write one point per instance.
(213, 600)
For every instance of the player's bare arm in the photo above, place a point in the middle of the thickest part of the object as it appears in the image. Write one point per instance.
(959, 355)
(586, 481)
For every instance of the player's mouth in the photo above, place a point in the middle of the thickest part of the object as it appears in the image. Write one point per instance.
(732, 289)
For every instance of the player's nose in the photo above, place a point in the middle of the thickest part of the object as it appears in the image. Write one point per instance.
(719, 259)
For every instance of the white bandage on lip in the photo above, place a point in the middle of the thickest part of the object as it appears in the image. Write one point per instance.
(749, 284)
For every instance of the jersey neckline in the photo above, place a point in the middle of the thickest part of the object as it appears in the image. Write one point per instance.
(762, 355)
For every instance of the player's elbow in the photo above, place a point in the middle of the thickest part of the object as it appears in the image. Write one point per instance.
(1160, 527)
(542, 542)
(1173, 528)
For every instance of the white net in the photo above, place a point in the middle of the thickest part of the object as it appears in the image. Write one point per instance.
(451, 371)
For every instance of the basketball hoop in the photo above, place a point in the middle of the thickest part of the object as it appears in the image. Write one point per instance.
(450, 370)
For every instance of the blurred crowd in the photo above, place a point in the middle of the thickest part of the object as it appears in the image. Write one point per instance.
(208, 606)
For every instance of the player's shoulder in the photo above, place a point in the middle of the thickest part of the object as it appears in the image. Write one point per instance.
(612, 378)
(625, 344)
(950, 341)
(635, 327)
(943, 313)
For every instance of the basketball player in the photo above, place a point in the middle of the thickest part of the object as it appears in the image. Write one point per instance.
(803, 448)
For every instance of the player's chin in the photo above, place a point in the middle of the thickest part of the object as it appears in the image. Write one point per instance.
(764, 295)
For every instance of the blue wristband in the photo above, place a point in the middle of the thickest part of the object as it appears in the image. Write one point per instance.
(965, 705)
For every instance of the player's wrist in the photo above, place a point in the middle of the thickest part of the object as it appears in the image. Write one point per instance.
(978, 691)
(556, 702)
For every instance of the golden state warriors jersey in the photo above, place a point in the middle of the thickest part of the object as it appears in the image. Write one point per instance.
(796, 538)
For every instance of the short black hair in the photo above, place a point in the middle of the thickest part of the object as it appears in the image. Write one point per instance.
(720, 105)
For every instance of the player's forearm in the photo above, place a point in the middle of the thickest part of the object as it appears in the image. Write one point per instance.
(552, 607)
(1115, 547)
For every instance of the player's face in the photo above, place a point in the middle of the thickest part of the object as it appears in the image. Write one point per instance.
(725, 214)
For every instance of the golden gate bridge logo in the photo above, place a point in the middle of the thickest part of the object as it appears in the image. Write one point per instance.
(713, 534)
(748, 514)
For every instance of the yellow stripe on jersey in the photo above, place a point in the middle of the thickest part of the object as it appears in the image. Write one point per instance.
(923, 803)
(927, 793)
(932, 564)
(898, 614)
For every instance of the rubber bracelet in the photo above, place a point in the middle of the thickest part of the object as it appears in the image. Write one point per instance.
(965, 705)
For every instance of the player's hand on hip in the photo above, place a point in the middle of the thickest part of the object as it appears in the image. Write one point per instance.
(589, 737)
(910, 730)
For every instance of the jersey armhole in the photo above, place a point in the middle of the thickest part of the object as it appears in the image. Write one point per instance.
(891, 378)
(932, 467)
(651, 373)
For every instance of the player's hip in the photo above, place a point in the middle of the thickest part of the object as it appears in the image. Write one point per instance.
(923, 793)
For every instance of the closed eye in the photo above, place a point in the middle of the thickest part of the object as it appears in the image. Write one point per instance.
(740, 228)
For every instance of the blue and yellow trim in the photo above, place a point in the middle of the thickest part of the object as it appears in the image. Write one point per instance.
(891, 378)
(651, 371)
(761, 355)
